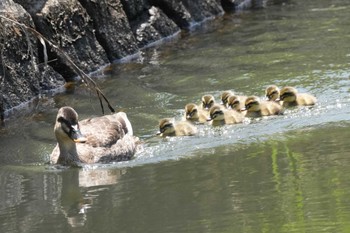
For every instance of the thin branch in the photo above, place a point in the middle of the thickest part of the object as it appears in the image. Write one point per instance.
(89, 81)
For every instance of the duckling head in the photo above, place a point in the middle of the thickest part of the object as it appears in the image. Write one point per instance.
(272, 93)
(166, 127)
(225, 95)
(207, 101)
(67, 127)
(216, 113)
(288, 94)
(233, 102)
(252, 104)
(191, 111)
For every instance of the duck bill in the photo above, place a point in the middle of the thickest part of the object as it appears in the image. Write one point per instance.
(77, 136)
(159, 133)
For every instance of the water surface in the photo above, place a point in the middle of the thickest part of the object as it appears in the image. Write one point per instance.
(278, 174)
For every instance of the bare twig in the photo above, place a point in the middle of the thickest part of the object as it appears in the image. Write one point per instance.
(86, 78)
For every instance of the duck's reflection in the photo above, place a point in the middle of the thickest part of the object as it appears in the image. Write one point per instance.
(80, 187)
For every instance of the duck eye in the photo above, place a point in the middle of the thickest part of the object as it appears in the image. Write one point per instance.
(60, 119)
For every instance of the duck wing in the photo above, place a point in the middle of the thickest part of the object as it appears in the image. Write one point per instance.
(102, 131)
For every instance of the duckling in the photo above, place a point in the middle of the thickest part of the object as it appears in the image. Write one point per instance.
(291, 97)
(100, 139)
(236, 102)
(207, 102)
(257, 108)
(220, 116)
(182, 128)
(272, 93)
(224, 97)
(194, 113)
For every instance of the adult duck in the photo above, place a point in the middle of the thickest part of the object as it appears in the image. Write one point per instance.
(95, 140)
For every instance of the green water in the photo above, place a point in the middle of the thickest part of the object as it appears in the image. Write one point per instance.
(287, 173)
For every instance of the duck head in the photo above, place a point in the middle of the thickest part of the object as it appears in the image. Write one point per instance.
(166, 127)
(224, 96)
(272, 93)
(67, 126)
(191, 111)
(207, 101)
(233, 102)
(252, 104)
(216, 113)
(288, 94)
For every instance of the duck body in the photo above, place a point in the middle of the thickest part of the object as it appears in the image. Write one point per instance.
(291, 98)
(257, 108)
(195, 114)
(167, 127)
(96, 140)
(220, 116)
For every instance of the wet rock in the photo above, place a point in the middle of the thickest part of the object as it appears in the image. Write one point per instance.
(67, 24)
(134, 8)
(153, 26)
(112, 28)
(176, 11)
(202, 10)
(239, 5)
(21, 75)
(188, 12)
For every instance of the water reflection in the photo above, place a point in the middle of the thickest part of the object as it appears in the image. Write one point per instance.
(68, 192)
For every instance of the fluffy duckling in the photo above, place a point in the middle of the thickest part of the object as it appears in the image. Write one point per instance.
(272, 93)
(195, 114)
(207, 102)
(257, 108)
(291, 97)
(182, 128)
(224, 97)
(220, 116)
(236, 102)
(100, 139)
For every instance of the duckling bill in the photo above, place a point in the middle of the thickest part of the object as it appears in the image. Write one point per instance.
(95, 140)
